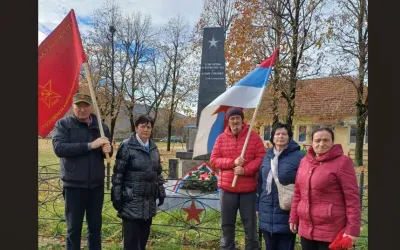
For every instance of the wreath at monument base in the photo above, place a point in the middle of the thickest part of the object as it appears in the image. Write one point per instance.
(201, 178)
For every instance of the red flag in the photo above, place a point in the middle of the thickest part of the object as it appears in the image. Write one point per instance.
(60, 59)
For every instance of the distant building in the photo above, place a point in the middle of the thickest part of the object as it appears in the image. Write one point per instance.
(160, 130)
(123, 127)
(322, 102)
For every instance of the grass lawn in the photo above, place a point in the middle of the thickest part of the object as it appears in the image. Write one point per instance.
(168, 226)
(170, 231)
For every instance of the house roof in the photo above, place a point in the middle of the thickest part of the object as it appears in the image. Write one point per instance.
(333, 96)
(323, 97)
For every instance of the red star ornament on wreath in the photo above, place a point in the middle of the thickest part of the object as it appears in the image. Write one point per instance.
(193, 212)
(204, 176)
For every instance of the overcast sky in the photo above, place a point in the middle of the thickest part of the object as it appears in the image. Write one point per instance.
(52, 12)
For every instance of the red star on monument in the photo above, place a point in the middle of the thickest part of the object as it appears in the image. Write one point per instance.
(193, 212)
(47, 95)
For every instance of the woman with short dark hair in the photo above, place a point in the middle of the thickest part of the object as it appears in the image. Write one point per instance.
(282, 160)
(137, 184)
(326, 202)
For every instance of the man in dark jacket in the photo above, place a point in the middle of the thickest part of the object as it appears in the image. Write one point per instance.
(81, 149)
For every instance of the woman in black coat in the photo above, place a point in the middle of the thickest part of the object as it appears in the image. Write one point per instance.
(137, 184)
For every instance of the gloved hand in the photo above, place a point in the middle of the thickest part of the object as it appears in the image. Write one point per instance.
(117, 206)
(160, 201)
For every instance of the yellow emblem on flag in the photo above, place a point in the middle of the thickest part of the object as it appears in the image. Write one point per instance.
(47, 95)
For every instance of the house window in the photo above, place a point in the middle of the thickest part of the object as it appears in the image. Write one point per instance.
(267, 132)
(302, 133)
(353, 132)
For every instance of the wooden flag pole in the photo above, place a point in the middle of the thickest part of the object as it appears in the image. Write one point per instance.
(251, 125)
(248, 137)
(89, 79)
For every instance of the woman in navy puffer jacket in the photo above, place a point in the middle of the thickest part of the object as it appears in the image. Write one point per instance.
(286, 156)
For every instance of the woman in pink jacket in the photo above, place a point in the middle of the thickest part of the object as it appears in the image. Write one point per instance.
(326, 199)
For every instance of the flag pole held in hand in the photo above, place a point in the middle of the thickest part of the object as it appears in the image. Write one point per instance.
(89, 79)
(246, 142)
(268, 63)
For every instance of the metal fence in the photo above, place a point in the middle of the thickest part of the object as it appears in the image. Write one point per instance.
(170, 225)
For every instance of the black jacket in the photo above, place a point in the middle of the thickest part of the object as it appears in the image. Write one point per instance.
(137, 180)
(79, 166)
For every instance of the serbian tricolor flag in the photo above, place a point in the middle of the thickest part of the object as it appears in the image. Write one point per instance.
(246, 93)
(60, 59)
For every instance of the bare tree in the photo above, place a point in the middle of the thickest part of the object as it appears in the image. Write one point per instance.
(300, 23)
(296, 26)
(157, 75)
(110, 59)
(176, 49)
(217, 13)
(96, 61)
(136, 39)
(350, 28)
(273, 38)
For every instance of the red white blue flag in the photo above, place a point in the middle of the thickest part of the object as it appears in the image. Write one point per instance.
(244, 94)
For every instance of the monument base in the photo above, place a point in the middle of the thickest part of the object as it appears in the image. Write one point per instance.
(186, 163)
(183, 198)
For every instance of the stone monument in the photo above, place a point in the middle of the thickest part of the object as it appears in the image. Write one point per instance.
(212, 84)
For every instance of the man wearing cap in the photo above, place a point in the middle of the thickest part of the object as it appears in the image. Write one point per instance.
(226, 157)
(81, 149)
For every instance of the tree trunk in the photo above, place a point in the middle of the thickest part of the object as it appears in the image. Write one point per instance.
(275, 111)
(155, 130)
(169, 133)
(362, 108)
(171, 117)
(131, 121)
(293, 65)
(175, 74)
(276, 95)
(290, 113)
(360, 132)
(112, 127)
